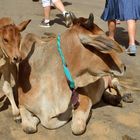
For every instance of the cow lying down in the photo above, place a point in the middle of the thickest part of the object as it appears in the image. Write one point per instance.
(10, 55)
(44, 92)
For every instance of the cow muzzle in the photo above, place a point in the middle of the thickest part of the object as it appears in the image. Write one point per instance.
(16, 59)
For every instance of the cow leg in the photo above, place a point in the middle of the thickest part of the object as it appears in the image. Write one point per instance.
(116, 85)
(56, 121)
(81, 114)
(112, 94)
(7, 89)
(29, 122)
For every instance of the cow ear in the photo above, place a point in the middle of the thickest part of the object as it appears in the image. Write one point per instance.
(87, 78)
(102, 43)
(22, 26)
(105, 44)
(5, 21)
(89, 23)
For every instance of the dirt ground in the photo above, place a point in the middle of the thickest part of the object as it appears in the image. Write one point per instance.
(107, 122)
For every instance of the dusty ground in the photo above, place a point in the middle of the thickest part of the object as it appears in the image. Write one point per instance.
(107, 122)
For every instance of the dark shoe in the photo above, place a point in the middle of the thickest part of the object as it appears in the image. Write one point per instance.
(68, 20)
(35, 0)
(44, 24)
(131, 50)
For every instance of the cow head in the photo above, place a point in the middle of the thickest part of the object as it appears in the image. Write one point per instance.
(10, 38)
(97, 44)
(96, 36)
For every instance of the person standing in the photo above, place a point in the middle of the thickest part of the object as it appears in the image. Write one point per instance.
(123, 10)
(47, 8)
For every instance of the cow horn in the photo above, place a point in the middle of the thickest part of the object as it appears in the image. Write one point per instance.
(89, 22)
(73, 17)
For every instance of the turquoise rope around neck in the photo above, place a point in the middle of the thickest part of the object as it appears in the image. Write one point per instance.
(65, 68)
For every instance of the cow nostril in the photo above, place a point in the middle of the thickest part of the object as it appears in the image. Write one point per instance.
(124, 68)
(20, 59)
(15, 58)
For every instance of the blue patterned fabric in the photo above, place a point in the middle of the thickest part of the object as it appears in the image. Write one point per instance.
(121, 10)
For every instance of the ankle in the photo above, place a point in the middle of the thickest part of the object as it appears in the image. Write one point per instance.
(46, 20)
(133, 44)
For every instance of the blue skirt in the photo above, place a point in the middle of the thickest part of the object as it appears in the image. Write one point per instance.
(121, 10)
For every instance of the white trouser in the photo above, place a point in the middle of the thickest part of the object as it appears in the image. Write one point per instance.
(48, 2)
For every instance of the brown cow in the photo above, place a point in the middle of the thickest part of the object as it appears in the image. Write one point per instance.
(44, 93)
(10, 38)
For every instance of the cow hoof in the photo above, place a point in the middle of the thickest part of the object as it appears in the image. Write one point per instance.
(1, 104)
(120, 104)
(29, 130)
(79, 128)
(127, 98)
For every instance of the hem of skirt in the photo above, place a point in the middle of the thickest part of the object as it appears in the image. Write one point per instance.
(121, 19)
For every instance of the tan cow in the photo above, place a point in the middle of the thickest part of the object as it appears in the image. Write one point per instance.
(10, 38)
(44, 93)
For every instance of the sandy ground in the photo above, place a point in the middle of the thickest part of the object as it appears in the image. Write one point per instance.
(107, 122)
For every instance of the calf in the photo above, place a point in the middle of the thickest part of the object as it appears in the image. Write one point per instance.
(10, 38)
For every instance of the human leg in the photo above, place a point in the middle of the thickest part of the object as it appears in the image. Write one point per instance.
(47, 12)
(131, 31)
(131, 25)
(59, 5)
(112, 28)
(46, 9)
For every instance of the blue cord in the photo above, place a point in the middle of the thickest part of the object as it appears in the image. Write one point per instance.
(65, 68)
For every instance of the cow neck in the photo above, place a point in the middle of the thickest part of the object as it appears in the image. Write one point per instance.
(4, 52)
(67, 72)
(2, 49)
(65, 68)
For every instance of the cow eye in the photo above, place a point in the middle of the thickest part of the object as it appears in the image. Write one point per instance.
(5, 40)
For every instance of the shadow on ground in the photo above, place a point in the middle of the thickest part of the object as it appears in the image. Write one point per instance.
(122, 37)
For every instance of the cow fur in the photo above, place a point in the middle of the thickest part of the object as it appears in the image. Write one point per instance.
(44, 93)
(10, 55)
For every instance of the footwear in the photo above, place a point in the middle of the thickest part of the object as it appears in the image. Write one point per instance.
(118, 22)
(35, 0)
(131, 50)
(68, 20)
(44, 24)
